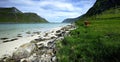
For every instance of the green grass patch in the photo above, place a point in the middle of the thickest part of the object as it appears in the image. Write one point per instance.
(99, 42)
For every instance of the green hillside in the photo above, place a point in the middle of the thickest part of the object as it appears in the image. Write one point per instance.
(98, 42)
(99, 7)
(69, 20)
(13, 15)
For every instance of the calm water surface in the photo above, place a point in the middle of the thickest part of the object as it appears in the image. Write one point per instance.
(12, 30)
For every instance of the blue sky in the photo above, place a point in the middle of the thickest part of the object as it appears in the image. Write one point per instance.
(51, 10)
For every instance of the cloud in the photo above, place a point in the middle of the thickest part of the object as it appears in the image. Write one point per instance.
(52, 10)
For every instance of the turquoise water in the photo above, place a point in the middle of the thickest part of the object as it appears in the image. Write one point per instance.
(12, 30)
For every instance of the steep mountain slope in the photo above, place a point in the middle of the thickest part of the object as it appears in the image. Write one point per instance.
(99, 8)
(13, 15)
(102, 5)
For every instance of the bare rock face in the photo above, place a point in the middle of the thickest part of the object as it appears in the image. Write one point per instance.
(24, 51)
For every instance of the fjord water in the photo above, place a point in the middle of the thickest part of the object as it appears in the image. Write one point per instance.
(12, 30)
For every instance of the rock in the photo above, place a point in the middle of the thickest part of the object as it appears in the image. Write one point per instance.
(40, 45)
(14, 39)
(10, 40)
(24, 51)
(58, 31)
(42, 50)
(52, 31)
(36, 33)
(50, 44)
(33, 41)
(46, 34)
(67, 28)
(58, 34)
(45, 58)
(39, 39)
(6, 41)
(32, 58)
(23, 60)
(66, 33)
(50, 52)
(3, 38)
(19, 36)
(46, 38)
(28, 32)
(54, 36)
(54, 59)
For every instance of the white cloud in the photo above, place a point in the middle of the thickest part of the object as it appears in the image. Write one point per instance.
(52, 10)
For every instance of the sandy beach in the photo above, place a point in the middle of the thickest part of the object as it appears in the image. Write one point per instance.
(9, 47)
(40, 47)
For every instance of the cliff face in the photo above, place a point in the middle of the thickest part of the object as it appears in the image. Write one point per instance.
(99, 7)
(13, 15)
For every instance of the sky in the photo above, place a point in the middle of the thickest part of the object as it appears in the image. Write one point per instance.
(51, 10)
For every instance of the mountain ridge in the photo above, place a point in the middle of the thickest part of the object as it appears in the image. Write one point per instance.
(13, 15)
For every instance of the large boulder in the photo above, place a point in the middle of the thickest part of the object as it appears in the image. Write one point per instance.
(24, 51)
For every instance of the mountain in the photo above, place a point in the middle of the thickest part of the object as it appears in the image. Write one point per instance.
(69, 20)
(100, 7)
(9, 10)
(13, 15)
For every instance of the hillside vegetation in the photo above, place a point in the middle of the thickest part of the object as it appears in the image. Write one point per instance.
(13, 15)
(98, 42)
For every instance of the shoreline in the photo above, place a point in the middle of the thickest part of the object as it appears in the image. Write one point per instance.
(43, 40)
(9, 47)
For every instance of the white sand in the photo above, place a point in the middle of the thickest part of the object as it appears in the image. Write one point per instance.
(9, 47)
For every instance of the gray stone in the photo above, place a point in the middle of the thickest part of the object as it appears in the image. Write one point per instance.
(14, 39)
(54, 59)
(24, 51)
(3, 38)
(58, 31)
(28, 32)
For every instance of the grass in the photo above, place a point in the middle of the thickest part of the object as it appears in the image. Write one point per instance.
(99, 42)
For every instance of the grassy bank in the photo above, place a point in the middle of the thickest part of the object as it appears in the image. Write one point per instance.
(99, 42)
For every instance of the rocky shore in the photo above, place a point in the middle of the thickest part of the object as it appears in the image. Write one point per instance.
(41, 49)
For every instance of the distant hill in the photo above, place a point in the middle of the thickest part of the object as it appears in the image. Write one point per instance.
(99, 8)
(69, 20)
(13, 15)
